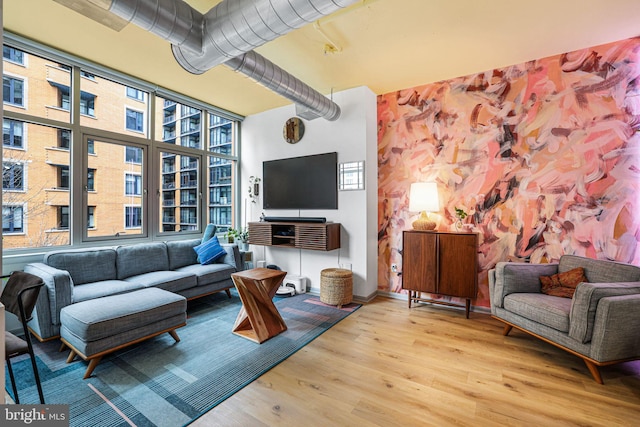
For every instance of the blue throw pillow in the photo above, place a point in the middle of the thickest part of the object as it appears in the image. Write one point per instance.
(209, 232)
(210, 251)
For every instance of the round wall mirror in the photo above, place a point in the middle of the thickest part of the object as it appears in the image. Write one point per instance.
(293, 130)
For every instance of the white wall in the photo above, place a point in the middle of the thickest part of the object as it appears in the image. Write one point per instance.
(353, 137)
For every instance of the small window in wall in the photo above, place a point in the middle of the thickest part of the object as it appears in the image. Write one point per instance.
(12, 54)
(91, 221)
(12, 133)
(63, 217)
(135, 120)
(64, 138)
(133, 185)
(91, 180)
(12, 176)
(351, 176)
(13, 91)
(132, 217)
(133, 155)
(134, 93)
(12, 219)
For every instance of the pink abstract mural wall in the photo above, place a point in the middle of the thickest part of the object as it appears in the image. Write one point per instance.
(544, 156)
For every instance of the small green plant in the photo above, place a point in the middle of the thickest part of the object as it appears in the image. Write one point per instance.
(460, 214)
(241, 234)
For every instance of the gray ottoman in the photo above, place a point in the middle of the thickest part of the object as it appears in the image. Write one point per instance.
(94, 328)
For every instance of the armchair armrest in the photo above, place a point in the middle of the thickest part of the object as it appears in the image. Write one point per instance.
(59, 293)
(516, 277)
(615, 332)
(586, 302)
(232, 257)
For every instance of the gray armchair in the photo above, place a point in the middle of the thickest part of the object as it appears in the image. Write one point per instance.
(600, 324)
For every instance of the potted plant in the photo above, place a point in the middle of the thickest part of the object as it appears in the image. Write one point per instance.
(241, 235)
(460, 215)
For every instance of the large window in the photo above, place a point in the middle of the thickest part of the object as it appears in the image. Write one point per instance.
(117, 197)
(121, 193)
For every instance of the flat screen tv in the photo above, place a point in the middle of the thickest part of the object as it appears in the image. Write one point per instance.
(308, 182)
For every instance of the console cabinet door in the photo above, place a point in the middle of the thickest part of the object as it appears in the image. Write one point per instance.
(419, 262)
(440, 263)
(457, 265)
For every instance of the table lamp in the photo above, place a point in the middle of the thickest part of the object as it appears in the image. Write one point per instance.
(423, 197)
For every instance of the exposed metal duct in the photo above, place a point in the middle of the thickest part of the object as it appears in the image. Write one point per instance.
(173, 20)
(232, 28)
(268, 74)
(228, 31)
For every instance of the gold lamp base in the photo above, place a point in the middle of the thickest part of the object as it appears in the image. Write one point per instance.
(423, 223)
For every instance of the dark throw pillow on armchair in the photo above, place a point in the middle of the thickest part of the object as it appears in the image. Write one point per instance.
(563, 284)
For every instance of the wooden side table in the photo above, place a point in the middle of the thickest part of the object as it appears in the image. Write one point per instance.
(258, 319)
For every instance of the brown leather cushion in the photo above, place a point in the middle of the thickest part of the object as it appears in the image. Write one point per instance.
(563, 284)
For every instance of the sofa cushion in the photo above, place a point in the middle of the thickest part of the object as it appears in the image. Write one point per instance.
(210, 251)
(600, 271)
(85, 265)
(102, 288)
(563, 284)
(172, 281)
(141, 258)
(181, 253)
(548, 310)
(210, 273)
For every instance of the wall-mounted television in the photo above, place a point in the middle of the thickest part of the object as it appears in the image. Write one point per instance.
(307, 182)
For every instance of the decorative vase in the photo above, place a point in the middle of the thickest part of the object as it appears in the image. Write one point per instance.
(244, 246)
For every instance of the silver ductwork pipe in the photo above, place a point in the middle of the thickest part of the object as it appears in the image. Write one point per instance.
(173, 20)
(228, 32)
(268, 74)
(235, 27)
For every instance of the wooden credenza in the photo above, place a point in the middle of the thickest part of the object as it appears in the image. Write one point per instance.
(441, 263)
(301, 235)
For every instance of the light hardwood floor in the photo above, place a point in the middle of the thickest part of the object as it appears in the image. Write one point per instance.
(387, 365)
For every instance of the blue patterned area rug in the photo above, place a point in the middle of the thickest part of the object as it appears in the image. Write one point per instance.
(163, 383)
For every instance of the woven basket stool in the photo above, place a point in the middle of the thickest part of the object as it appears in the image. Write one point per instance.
(336, 286)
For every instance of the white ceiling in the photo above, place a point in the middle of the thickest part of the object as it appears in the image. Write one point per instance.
(386, 44)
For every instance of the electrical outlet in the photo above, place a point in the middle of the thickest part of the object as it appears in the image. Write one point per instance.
(394, 268)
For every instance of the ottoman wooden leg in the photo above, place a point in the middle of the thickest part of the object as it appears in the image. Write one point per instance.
(72, 355)
(175, 336)
(92, 365)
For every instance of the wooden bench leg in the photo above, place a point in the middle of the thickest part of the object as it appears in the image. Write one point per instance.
(175, 336)
(92, 365)
(62, 347)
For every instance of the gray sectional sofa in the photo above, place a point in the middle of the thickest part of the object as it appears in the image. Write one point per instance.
(599, 324)
(76, 275)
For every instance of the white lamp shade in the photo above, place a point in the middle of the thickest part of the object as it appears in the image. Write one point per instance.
(423, 196)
